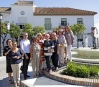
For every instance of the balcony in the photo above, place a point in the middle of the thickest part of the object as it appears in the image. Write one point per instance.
(48, 26)
(63, 24)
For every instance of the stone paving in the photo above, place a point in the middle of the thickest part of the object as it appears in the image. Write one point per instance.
(37, 82)
(41, 81)
(3, 75)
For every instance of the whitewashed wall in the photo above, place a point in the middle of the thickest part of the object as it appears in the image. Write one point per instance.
(56, 20)
(15, 13)
(40, 20)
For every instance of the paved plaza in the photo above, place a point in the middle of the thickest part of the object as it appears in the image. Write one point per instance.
(37, 82)
(33, 82)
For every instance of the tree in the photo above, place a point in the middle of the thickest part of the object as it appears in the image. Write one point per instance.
(38, 29)
(4, 32)
(28, 28)
(14, 31)
(78, 29)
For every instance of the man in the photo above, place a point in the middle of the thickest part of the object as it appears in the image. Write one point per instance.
(25, 48)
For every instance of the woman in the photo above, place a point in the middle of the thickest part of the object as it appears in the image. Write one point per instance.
(35, 57)
(70, 41)
(8, 65)
(15, 60)
(63, 44)
(48, 51)
(42, 59)
(55, 55)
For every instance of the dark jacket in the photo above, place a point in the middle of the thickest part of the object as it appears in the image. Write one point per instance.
(13, 60)
(47, 46)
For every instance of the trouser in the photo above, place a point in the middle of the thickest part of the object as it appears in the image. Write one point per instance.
(48, 62)
(69, 52)
(65, 52)
(16, 72)
(55, 58)
(25, 64)
(61, 55)
(35, 64)
(44, 64)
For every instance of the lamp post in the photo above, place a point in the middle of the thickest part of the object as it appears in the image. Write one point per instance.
(0, 33)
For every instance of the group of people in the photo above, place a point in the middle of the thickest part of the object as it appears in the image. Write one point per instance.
(41, 50)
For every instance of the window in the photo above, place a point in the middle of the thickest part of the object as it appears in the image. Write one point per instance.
(79, 20)
(21, 26)
(63, 21)
(48, 23)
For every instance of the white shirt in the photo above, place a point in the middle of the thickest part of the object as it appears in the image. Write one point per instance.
(25, 46)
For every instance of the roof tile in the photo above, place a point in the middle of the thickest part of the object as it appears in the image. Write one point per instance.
(4, 9)
(23, 3)
(61, 11)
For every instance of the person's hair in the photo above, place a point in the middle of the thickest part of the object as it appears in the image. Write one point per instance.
(8, 41)
(34, 38)
(55, 36)
(68, 28)
(54, 31)
(60, 27)
(25, 33)
(60, 30)
(41, 36)
(14, 42)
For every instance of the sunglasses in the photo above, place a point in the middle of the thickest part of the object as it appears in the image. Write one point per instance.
(14, 44)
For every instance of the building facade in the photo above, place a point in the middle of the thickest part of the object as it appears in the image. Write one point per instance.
(25, 11)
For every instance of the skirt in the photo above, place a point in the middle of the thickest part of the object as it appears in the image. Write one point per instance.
(8, 66)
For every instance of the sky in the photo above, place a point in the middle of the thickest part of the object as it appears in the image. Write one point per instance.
(91, 5)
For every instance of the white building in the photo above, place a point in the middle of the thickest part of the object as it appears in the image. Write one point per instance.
(24, 11)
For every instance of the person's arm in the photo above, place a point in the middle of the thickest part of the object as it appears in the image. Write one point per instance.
(45, 46)
(21, 47)
(31, 52)
(21, 54)
(64, 41)
(58, 47)
(72, 36)
(6, 53)
(10, 55)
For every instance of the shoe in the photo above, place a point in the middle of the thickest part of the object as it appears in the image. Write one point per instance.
(50, 71)
(27, 76)
(56, 69)
(15, 84)
(18, 84)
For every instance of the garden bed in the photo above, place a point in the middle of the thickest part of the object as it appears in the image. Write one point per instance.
(81, 70)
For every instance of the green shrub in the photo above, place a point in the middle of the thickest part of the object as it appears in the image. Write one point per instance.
(71, 69)
(80, 70)
(93, 70)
